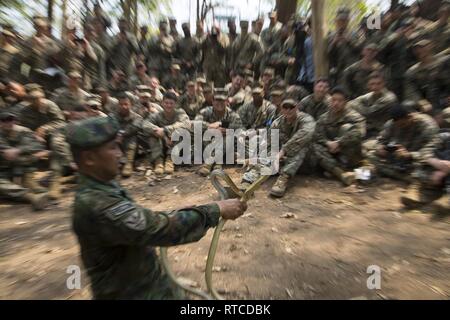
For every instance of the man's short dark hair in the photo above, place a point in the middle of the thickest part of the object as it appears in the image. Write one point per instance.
(171, 96)
(322, 79)
(340, 90)
(376, 75)
(122, 95)
(400, 111)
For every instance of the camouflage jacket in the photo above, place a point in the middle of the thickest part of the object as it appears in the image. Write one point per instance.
(67, 100)
(237, 96)
(117, 239)
(208, 116)
(36, 54)
(347, 128)
(215, 52)
(161, 50)
(188, 50)
(423, 82)
(191, 105)
(179, 120)
(120, 53)
(48, 117)
(297, 135)
(376, 109)
(246, 49)
(356, 77)
(342, 55)
(270, 35)
(21, 138)
(313, 108)
(420, 139)
(257, 118)
(131, 125)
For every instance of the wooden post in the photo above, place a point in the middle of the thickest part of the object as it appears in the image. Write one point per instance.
(319, 41)
(64, 19)
(285, 9)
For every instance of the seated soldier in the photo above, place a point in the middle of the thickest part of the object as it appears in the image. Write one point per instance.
(118, 83)
(145, 107)
(159, 128)
(433, 177)
(189, 101)
(174, 80)
(108, 104)
(277, 98)
(297, 93)
(236, 92)
(15, 97)
(337, 143)
(356, 76)
(259, 113)
(208, 97)
(267, 79)
(72, 95)
(140, 77)
(405, 143)
(156, 90)
(19, 153)
(375, 106)
(296, 130)
(218, 117)
(130, 124)
(317, 103)
(44, 117)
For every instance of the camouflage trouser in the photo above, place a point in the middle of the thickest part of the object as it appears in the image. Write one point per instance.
(391, 169)
(347, 158)
(289, 166)
(217, 75)
(8, 189)
(61, 155)
(157, 148)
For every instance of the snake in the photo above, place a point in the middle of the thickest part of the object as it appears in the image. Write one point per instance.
(229, 192)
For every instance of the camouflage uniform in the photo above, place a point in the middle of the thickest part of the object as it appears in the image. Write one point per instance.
(214, 60)
(257, 118)
(238, 97)
(110, 105)
(246, 49)
(68, 100)
(158, 147)
(341, 55)
(424, 82)
(271, 34)
(439, 34)
(176, 82)
(110, 224)
(135, 81)
(120, 53)
(23, 139)
(376, 110)
(314, 108)
(420, 139)
(49, 116)
(191, 105)
(75, 58)
(160, 51)
(187, 50)
(208, 116)
(356, 78)
(349, 129)
(7, 54)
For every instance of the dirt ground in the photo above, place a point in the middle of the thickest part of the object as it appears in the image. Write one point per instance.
(320, 250)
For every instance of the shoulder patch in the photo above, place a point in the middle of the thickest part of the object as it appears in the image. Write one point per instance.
(119, 209)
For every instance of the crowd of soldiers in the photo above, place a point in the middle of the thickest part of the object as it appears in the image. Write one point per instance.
(385, 105)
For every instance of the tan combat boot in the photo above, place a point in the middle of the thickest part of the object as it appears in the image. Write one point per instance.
(55, 186)
(204, 170)
(127, 170)
(37, 201)
(29, 181)
(279, 188)
(159, 167)
(169, 168)
(347, 178)
(418, 196)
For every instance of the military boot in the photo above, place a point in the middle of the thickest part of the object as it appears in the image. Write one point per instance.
(55, 186)
(127, 170)
(417, 196)
(159, 167)
(29, 181)
(217, 167)
(347, 178)
(279, 188)
(37, 201)
(204, 170)
(169, 168)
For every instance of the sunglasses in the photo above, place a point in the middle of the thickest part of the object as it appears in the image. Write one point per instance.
(8, 119)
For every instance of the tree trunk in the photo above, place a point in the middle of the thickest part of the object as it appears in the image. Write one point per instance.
(136, 17)
(286, 8)
(319, 31)
(50, 6)
(394, 4)
(64, 19)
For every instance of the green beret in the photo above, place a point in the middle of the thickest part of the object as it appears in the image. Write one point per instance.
(92, 132)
